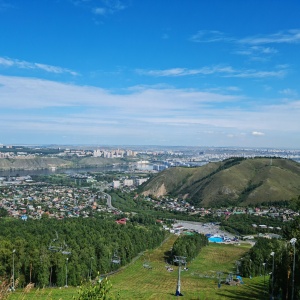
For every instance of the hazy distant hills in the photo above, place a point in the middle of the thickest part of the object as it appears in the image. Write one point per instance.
(36, 163)
(234, 181)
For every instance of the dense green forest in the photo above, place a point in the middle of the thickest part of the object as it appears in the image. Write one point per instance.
(189, 246)
(260, 261)
(48, 248)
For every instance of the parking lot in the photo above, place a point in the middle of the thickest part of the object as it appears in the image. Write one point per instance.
(204, 228)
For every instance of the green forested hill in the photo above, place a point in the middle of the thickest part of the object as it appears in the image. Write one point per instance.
(235, 181)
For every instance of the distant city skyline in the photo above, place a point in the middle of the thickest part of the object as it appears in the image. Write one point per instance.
(171, 73)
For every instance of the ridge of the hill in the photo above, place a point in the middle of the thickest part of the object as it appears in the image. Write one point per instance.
(39, 162)
(235, 181)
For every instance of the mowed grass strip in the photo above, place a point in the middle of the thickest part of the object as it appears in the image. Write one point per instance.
(45, 294)
(137, 282)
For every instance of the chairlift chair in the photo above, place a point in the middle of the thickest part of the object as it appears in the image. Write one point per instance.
(55, 246)
(116, 259)
(65, 249)
(147, 265)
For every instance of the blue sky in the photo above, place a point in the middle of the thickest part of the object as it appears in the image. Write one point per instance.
(150, 72)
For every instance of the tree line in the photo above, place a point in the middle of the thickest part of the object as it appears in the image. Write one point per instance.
(276, 258)
(52, 252)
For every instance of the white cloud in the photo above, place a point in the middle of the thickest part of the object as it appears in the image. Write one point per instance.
(289, 92)
(259, 74)
(115, 4)
(37, 93)
(233, 88)
(257, 133)
(290, 36)
(41, 106)
(100, 11)
(209, 36)
(223, 89)
(109, 7)
(187, 72)
(265, 50)
(9, 62)
(257, 53)
(6, 62)
(224, 71)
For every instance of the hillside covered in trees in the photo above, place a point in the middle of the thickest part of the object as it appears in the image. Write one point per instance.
(278, 256)
(87, 245)
(235, 181)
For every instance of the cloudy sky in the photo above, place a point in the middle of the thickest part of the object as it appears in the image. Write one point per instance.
(150, 72)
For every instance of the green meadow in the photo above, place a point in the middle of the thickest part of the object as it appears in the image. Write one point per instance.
(200, 281)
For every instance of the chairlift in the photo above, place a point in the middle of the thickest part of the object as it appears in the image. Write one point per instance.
(116, 259)
(56, 246)
(180, 260)
(147, 265)
(65, 249)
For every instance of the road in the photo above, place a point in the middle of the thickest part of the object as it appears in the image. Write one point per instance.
(108, 202)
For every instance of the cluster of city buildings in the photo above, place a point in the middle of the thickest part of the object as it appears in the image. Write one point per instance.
(105, 153)
(175, 205)
(15, 152)
(19, 154)
(15, 180)
(34, 201)
(128, 182)
(160, 158)
(119, 153)
(219, 154)
(24, 198)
